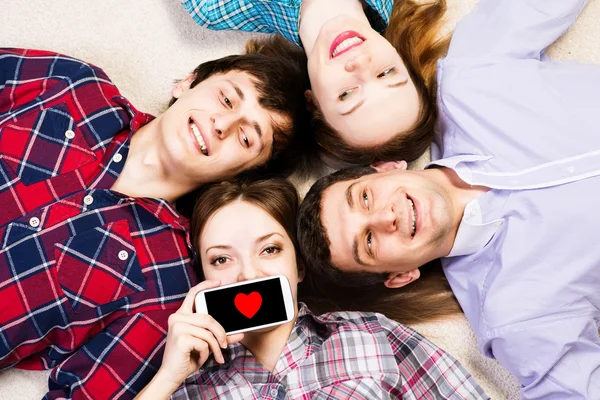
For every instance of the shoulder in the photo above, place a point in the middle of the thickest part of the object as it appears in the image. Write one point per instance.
(375, 325)
(30, 64)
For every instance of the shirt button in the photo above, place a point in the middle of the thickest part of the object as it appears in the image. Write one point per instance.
(571, 169)
(117, 158)
(34, 222)
(88, 200)
(273, 392)
(70, 134)
(123, 255)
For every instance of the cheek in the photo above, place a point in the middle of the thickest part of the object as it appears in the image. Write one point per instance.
(225, 275)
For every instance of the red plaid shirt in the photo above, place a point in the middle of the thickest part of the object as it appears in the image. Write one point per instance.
(88, 276)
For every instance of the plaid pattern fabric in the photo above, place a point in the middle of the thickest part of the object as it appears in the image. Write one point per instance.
(269, 16)
(343, 355)
(88, 277)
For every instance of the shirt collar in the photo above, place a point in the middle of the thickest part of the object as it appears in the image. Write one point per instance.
(138, 118)
(472, 233)
(308, 333)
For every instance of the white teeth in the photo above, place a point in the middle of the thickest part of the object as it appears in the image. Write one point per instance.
(345, 44)
(414, 217)
(199, 138)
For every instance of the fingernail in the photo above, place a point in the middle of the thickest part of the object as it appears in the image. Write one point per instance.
(221, 360)
(223, 345)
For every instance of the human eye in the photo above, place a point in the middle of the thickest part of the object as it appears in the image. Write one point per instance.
(365, 199)
(218, 260)
(345, 94)
(369, 242)
(271, 250)
(226, 101)
(244, 139)
(387, 72)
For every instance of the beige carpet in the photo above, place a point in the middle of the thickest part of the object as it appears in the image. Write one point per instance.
(144, 45)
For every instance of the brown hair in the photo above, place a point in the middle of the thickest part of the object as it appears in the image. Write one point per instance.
(413, 31)
(276, 196)
(281, 78)
(426, 299)
(279, 69)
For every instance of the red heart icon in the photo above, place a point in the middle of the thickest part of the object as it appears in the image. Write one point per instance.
(248, 304)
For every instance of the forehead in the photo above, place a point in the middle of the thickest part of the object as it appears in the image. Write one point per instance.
(238, 220)
(338, 221)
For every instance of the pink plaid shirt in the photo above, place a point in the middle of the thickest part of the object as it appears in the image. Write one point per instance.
(341, 355)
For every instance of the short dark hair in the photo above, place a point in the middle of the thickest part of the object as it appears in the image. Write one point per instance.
(326, 287)
(314, 242)
(280, 76)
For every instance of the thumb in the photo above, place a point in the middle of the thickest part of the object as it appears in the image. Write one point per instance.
(235, 338)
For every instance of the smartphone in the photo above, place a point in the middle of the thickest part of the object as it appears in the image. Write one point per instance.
(249, 305)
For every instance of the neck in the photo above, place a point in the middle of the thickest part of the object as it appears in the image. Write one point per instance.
(268, 346)
(316, 12)
(460, 194)
(145, 173)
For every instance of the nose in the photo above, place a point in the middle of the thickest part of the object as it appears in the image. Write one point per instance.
(248, 270)
(386, 219)
(225, 123)
(358, 63)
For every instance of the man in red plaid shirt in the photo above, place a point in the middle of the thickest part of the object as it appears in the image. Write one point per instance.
(94, 258)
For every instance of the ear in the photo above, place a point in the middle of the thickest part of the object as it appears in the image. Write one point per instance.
(311, 102)
(182, 86)
(381, 166)
(399, 279)
(301, 269)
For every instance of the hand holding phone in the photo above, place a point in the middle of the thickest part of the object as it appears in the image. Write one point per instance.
(249, 305)
(192, 338)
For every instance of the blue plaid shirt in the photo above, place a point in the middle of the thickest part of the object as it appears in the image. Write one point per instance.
(269, 16)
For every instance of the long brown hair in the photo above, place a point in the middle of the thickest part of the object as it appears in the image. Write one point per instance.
(277, 197)
(427, 299)
(413, 30)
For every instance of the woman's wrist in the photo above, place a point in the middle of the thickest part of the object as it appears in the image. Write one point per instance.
(162, 386)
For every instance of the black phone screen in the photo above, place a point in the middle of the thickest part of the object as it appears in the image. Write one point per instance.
(247, 306)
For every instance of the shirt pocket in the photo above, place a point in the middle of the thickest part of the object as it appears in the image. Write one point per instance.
(43, 144)
(98, 267)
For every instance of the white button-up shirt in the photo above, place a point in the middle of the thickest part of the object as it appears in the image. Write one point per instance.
(525, 265)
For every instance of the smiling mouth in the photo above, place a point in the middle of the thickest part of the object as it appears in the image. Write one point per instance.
(198, 137)
(344, 42)
(414, 217)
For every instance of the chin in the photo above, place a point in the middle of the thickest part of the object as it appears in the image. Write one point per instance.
(263, 330)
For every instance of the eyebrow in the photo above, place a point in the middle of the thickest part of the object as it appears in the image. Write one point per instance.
(237, 90)
(268, 235)
(349, 198)
(255, 124)
(355, 254)
(257, 128)
(218, 247)
(350, 111)
(350, 201)
(260, 239)
(395, 85)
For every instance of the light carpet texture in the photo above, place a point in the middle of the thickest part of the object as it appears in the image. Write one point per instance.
(144, 45)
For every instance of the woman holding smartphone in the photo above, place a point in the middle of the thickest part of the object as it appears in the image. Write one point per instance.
(246, 230)
(373, 95)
